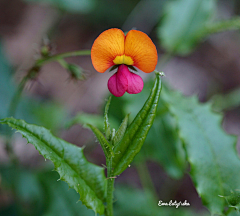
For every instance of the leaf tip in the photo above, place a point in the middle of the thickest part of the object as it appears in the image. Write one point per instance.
(161, 74)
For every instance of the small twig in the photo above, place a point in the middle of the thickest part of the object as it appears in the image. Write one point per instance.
(221, 26)
(42, 61)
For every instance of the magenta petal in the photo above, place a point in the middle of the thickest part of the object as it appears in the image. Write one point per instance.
(135, 83)
(118, 83)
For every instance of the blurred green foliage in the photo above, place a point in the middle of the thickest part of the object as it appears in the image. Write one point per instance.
(39, 193)
(73, 6)
(222, 102)
(182, 24)
(46, 113)
(137, 202)
(35, 195)
(210, 151)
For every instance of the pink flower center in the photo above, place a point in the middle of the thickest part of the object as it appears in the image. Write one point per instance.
(124, 81)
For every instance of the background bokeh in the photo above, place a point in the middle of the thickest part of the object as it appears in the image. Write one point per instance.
(208, 67)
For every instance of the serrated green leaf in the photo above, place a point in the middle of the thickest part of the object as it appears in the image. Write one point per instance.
(183, 21)
(86, 178)
(107, 149)
(210, 151)
(120, 132)
(107, 128)
(136, 134)
(233, 199)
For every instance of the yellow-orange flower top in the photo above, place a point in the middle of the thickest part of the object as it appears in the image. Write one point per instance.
(112, 47)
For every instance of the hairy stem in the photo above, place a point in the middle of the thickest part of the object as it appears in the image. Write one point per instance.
(42, 61)
(110, 188)
(31, 74)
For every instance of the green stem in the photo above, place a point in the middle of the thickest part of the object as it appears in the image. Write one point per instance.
(226, 25)
(43, 61)
(110, 188)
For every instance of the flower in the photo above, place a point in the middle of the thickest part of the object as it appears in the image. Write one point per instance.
(113, 48)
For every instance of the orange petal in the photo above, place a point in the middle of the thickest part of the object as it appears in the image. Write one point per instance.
(142, 50)
(106, 47)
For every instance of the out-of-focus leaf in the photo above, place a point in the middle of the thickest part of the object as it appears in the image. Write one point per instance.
(86, 178)
(132, 201)
(227, 101)
(233, 212)
(137, 132)
(183, 22)
(74, 6)
(59, 200)
(113, 12)
(210, 151)
(51, 115)
(26, 189)
(163, 145)
(135, 202)
(38, 193)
